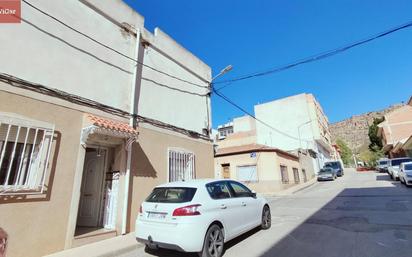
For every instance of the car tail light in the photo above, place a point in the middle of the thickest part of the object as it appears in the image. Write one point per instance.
(140, 209)
(190, 210)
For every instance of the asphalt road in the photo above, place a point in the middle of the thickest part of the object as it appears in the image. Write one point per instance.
(358, 215)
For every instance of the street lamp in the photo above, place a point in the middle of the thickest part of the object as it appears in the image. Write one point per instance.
(300, 140)
(222, 72)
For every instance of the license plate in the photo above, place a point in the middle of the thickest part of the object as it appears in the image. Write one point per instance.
(156, 215)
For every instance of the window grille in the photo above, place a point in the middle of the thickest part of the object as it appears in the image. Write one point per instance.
(25, 147)
(284, 174)
(296, 175)
(181, 165)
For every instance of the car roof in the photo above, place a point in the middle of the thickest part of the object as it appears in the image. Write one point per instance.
(406, 163)
(401, 158)
(192, 183)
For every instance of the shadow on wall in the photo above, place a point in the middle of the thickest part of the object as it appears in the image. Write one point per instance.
(48, 184)
(357, 222)
(141, 165)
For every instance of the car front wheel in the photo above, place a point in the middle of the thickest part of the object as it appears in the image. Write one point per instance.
(266, 218)
(213, 244)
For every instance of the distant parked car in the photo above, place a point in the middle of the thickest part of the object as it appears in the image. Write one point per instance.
(199, 215)
(382, 165)
(393, 166)
(337, 166)
(327, 173)
(405, 173)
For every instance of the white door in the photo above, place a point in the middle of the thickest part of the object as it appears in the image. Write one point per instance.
(91, 190)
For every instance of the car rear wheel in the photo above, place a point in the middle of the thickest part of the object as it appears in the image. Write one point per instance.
(213, 244)
(266, 218)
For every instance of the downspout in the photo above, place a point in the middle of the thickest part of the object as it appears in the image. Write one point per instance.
(133, 123)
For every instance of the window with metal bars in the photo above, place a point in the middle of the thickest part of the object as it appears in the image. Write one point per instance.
(296, 175)
(284, 174)
(25, 147)
(181, 165)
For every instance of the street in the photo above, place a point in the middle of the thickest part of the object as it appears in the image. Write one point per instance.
(361, 214)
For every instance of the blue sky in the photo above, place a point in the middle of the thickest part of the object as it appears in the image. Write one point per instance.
(262, 34)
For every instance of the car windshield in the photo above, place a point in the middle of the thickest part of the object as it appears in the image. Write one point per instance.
(408, 167)
(334, 165)
(383, 162)
(397, 162)
(171, 195)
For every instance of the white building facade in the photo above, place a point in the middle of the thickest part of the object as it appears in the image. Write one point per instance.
(93, 115)
(299, 123)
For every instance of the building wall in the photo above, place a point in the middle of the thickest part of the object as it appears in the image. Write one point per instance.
(397, 125)
(32, 221)
(238, 139)
(287, 114)
(150, 163)
(72, 62)
(77, 65)
(244, 123)
(268, 169)
(166, 99)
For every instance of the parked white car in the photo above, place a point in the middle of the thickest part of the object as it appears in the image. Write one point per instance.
(405, 173)
(199, 215)
(393, 166)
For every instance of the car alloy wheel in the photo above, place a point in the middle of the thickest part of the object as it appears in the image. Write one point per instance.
(213, 245)
(266, 218)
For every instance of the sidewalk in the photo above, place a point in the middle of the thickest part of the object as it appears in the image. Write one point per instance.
(106, 248)
(124, 244)
(293, 189)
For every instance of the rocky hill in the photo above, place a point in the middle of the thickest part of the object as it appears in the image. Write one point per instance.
(354, 131)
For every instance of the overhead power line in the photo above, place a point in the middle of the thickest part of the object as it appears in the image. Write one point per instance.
(254, 117)
(316, 57)
(108, 47)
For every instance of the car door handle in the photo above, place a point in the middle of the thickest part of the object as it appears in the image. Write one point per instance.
(243, 204)
(223, 206)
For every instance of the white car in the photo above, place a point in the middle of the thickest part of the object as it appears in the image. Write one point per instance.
(393, 166)
(405, 173)
(199, 215)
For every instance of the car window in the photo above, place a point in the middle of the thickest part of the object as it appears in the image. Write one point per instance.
(408, 166)
(171, 195)
(240, 190)
(397, 162)
(218, 190)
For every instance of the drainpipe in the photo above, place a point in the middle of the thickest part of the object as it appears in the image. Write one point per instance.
(133, 123)
(126, 185)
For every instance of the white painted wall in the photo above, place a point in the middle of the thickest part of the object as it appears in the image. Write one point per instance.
(43, 51)
(244, 123)
(161, 97)
(285, 114)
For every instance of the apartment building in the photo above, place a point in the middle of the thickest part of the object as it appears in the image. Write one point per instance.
(92, 121)
(301, 124)
(263, 168)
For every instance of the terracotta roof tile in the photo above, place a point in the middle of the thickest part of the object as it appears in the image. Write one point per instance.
(111, 124)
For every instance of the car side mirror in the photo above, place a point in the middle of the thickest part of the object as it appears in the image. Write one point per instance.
(253, 194)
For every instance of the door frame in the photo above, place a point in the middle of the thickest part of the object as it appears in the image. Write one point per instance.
(105, 168)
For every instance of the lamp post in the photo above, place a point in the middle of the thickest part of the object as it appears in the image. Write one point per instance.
(221, 73)
(300, 140)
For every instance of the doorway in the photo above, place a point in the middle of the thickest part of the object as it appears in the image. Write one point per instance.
(91, 193)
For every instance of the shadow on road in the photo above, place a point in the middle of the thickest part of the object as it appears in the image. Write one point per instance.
(228, 245)
(358, 222)
(383, 177)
